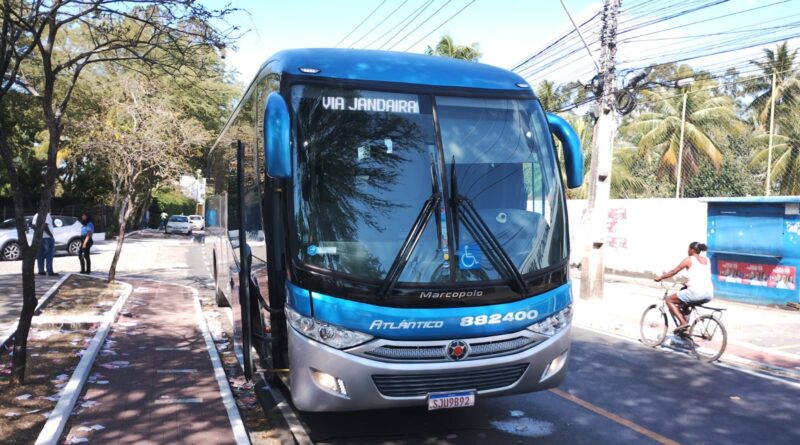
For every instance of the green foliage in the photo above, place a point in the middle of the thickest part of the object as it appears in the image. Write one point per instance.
(448, 48)
(172, 202)
(780, 62)
(733, 178)
(555, 98)
(20, 117)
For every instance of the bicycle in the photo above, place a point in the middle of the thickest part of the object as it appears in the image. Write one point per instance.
(706, 335)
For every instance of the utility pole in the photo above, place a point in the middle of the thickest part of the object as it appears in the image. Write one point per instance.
(592, 266)
(680, 150)
(771, 132)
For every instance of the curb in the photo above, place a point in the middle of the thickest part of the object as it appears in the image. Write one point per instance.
(239, 431)
(10, 332)
(777, 371)
(297, 429)
(57, 420)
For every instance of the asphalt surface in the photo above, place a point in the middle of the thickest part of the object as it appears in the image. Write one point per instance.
(621, 393)
(616, 392)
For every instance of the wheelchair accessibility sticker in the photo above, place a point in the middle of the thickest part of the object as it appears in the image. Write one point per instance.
(469, 257)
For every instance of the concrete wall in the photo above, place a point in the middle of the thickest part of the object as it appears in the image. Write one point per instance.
(644, 236)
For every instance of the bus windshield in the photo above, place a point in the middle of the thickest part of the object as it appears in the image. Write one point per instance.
(371, 164)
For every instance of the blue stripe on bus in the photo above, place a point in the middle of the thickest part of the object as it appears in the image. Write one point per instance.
(299, 299)
(436, 323)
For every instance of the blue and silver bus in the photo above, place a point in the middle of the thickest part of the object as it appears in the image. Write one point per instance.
(390, 230)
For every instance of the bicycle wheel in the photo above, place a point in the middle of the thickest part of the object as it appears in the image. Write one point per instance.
(653, 327)
(708, 338)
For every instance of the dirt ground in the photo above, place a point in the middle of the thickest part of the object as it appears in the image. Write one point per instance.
(82, 295)
(54, 351)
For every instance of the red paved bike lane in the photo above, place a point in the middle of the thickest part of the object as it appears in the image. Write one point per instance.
(153, 382)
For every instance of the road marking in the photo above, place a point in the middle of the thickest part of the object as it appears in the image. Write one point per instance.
(788, 347)
(170, 401)
(175, 371)
(162, 348)
(615, 418)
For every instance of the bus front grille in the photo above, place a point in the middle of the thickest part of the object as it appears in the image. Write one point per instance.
(477, 349)
(412, 385)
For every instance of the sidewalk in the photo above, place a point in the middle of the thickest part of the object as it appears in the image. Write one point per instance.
(764, 338)
(153, 382)
(11, 296)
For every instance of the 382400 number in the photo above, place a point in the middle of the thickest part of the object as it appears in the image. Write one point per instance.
(481, 320)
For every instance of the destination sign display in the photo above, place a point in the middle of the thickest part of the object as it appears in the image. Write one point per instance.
(375, 104)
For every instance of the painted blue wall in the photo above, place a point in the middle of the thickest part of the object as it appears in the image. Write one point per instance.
(760, 231)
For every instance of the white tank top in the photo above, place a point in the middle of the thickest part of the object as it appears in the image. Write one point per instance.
(700, 276)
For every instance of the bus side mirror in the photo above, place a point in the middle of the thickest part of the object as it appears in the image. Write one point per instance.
(276, 138)
(571, 143)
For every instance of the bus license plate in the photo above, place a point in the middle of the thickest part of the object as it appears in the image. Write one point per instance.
(444, 400)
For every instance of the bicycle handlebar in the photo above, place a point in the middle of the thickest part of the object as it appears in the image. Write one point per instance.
(669, 285)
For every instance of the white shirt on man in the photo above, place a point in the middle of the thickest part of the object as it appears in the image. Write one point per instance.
(48, 220)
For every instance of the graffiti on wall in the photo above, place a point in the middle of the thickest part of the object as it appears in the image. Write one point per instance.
(754, 274)
(616, 234)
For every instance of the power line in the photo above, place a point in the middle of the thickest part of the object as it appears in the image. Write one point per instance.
(420, 8)
(556, 42)
(744, 11)
(442, 24)
(712, 47)
(419, 26)
(379, 24)
(406, 25)
(359, 25)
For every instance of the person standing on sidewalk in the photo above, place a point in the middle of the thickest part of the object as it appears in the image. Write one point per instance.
(48, 247)
(164, 220)
(86, 243)
(699, 288)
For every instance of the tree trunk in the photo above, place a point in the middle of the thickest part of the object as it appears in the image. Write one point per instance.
(29, 302)
(127, 208)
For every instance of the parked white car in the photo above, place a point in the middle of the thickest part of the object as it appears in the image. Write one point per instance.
(178, 224)
(66, 230)
(198, 222)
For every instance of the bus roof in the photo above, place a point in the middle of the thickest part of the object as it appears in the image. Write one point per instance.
(398, 67)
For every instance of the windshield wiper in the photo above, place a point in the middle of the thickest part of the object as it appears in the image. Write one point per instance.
(413, 237)
(480, 231)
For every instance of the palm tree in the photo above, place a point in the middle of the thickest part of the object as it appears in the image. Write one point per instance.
(785, 154)
(787, 80)
(551, 97)
(709, 119)
(448, 48)
(625, 183)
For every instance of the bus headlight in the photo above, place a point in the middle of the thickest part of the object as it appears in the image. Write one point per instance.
(553, 324)
(334, 336)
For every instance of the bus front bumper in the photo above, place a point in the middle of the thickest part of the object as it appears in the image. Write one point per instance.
(354, 374)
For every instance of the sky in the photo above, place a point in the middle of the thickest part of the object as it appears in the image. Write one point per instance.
(507, 31)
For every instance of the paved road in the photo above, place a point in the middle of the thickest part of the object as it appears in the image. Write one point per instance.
(617, 391)
(11, 296)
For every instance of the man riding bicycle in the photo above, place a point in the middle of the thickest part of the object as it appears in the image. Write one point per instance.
(697, 290)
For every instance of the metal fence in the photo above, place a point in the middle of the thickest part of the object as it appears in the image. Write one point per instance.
(102, 216)
(707, 136)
